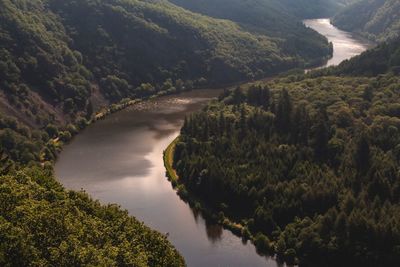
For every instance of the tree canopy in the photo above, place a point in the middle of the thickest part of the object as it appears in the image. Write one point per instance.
(377, 20)
(307, 164)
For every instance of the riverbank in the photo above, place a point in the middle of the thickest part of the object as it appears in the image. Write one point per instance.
(169, 161)
(263, 245)
(59, 141)
(119, 159)
(194, 202)
(343, 43)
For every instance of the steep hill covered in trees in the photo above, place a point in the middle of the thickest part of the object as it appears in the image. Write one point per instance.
(60, 60)
(270, 10)
(42, 224)
(308, 165)
(46, 90)
(280, 19)
(377, 20)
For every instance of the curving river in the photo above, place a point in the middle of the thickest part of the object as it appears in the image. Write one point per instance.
(119, 160)
(345, 44)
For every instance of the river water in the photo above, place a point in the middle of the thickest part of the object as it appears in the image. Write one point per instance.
(345, 44)
(119, 160)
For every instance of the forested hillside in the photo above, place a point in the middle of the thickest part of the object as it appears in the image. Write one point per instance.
(377, 20)
(152, 41)
(42, 224)
(280, 19)
(308, 9)
(60, 61)
(73, 56)
(309, 167)
(48, 92)
(268, 9)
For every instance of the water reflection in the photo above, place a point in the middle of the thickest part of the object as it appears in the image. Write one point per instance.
(119, 160)
(345, 45)
(214, 232)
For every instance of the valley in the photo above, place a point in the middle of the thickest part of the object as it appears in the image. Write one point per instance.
(119, 160)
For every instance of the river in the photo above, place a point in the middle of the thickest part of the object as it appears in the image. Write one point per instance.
(345, 44)
(119, 160)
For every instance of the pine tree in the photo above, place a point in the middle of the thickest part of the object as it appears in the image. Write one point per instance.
(362, 155)
(321, 138)
(284, 112)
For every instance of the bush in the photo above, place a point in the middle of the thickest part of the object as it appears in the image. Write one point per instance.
(262, 243)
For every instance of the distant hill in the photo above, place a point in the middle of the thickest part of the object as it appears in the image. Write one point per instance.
(377, 20)
(60, 61)
(64, 55)
(280, 19)
(268, 10)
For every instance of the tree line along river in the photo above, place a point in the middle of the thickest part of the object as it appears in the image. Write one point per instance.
(120, 160)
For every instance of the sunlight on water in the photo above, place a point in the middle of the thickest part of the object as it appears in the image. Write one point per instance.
(345, 45)
(119, 160)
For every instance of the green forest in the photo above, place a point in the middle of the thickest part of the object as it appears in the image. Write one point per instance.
(65, 64)
(377, 20)
(57, 68)
(308, 165)
(265, 11)
(279, 19)
(42, 224)
(128, 43)
(61, 62)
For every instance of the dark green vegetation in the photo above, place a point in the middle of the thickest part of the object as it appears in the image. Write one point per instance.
(377, 20)
(308, 165)
(72, 51)
(152, 41)
(41, 224)
(308, 9)
(269, 10)
(60, 61)
(278, 19)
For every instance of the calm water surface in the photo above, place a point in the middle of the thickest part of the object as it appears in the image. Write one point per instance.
(345, 45)
(119, 160)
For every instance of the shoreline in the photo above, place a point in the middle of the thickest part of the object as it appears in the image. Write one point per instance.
(105, 111)
(219, 218)
(263, 248)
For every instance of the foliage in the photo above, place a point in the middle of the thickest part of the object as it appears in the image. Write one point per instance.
(265, 9)
(42, 224)
(377, 20)
(381, 59)
(61, 59)
(311, 163)
(279, 19)
(47, 88)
